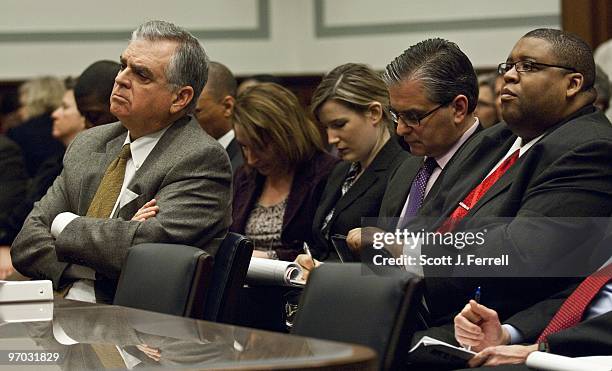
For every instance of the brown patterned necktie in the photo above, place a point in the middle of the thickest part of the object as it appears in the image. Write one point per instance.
(106, 196)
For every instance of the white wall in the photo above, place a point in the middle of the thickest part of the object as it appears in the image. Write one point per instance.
(256, 36)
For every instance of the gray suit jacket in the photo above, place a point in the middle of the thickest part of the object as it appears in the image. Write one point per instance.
(187, 172)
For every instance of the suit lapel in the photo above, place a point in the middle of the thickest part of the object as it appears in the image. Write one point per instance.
(469, 169)
(331, 193)
(498, 187)
(370, 176)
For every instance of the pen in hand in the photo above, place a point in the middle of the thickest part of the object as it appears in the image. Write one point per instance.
(476, 299)
(307, 251)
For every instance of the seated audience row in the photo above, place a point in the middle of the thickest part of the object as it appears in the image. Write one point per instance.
(156, 176)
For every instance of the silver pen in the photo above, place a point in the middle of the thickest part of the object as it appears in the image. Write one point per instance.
(307, 251)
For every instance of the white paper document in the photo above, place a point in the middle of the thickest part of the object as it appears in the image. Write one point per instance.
(274, 272)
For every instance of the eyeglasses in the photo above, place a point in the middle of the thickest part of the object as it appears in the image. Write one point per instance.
(409, 118)
(527, 66)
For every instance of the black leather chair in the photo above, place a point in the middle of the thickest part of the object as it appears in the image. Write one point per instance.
(229, 273)
(165, 278)
(353, 303)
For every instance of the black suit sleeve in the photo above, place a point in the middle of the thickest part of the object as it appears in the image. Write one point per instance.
(589, 338)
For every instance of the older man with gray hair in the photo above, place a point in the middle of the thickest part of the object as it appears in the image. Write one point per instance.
(79, 234)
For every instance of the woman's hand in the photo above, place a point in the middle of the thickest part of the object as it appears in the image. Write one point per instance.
(305, 261)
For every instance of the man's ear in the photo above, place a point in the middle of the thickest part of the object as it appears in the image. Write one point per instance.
(575, 84)
(460, 108)
(375, 113)
(182, 97)
(228, 103)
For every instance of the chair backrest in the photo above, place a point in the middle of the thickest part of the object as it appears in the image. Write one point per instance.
(229, 272)
(351, 303)
(165, 278)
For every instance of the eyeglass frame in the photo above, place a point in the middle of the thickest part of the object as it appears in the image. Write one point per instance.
(396, 116)
(502, 71)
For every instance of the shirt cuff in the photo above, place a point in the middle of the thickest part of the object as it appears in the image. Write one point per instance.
(60, 222)
(516, 337)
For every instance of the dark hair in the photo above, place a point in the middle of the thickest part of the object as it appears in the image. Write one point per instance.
(221, 82)
(96, 82)
(441, 66)
(93, 90)
(570, 50)
(189, 64)
(70, 82)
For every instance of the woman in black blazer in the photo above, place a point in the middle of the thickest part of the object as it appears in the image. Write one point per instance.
(352, 103)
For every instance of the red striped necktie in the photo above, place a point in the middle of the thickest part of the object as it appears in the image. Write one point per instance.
(571, 311)
(476, 194)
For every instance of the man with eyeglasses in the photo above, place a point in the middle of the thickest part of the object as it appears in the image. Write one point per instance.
(547, 170)
(434, 91)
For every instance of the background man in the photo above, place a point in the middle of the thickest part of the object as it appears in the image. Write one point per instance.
(155, 151)
(214, 110)
(486, 110)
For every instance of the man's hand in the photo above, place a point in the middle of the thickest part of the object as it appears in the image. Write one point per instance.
(359, 238)
(6, 264)
(503, 355)
(305, 262)
(479, 327)
(148, 210)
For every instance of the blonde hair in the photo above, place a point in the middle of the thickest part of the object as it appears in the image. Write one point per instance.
(354, 85)
(271, 115)
(41, 95)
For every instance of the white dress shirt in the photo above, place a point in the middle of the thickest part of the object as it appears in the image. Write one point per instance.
(227, 138)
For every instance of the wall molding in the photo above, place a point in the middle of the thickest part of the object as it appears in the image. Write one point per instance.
(322, 30)
(261, 31)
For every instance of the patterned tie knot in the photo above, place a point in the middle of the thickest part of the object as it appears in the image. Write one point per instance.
(430, 165)
(125, 152)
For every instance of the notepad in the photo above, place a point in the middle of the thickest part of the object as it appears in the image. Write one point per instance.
(274, 272)
(430, 350)
(344, 252)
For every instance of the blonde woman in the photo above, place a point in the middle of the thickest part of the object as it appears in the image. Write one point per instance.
(352, 103)
(38, 98)
(277, 190)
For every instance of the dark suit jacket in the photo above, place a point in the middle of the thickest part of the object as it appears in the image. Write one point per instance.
(46, 174)
(308, 183)
(567, 173)
(399, 185)
(187, 172)
(235, 155)
(13, 180)
(362, 200)
(35, 139)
